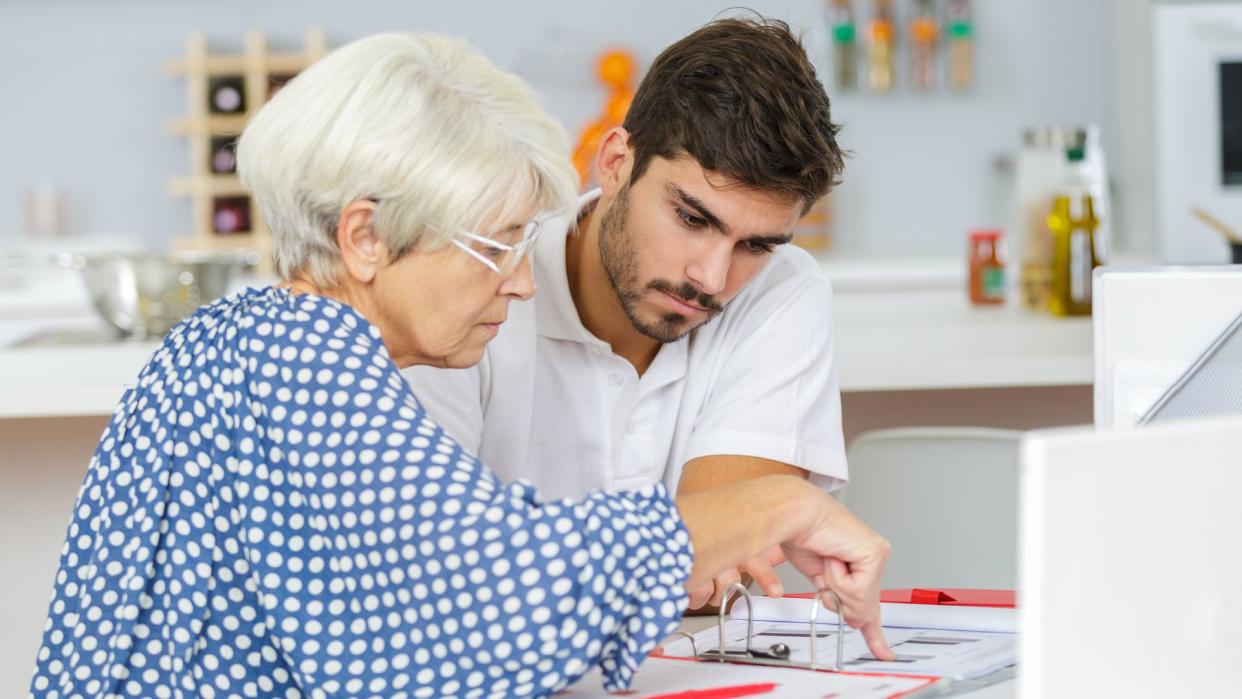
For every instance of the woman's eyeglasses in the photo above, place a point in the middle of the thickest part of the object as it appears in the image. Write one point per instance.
(501, 258)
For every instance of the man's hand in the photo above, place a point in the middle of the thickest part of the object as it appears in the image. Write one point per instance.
(740, 521)
(758, 569)
(836, 550)
(707, 472)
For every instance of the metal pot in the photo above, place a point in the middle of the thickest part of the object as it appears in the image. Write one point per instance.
(145, 294)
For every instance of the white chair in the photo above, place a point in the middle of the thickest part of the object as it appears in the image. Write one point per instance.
(946, 497)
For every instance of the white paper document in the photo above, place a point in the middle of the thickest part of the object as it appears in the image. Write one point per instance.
(660, 677)
(956, 655)
(909, 616)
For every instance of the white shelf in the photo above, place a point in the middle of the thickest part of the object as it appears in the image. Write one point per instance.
(938, 340)
(852, 275)
(68, 381)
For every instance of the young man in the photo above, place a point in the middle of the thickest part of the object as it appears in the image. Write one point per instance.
(676, 335)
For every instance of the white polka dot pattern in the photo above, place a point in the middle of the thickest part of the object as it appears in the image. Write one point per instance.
(271, 513)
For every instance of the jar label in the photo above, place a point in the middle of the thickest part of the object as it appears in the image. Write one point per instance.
(994, 282)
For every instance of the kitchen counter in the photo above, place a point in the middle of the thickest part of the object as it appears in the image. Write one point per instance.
(938, 340)
(904, 330)
(57, 357)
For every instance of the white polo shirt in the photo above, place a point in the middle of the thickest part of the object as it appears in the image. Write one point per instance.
(551, 403)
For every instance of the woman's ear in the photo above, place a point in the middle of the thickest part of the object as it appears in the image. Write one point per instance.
(362, 252)
(615, 160)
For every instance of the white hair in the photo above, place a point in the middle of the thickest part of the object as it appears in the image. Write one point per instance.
(425, 125)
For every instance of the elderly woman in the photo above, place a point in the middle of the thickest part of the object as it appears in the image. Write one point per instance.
(270, 512)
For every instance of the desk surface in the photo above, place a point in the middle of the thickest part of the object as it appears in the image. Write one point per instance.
(1007, 689)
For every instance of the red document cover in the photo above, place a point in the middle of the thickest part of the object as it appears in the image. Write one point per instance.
(950, 596)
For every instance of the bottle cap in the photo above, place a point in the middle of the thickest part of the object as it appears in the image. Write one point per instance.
(987, 234)
(923, 29)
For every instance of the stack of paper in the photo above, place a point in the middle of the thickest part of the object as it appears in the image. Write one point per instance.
(944, 641)
(908, 616)
(669, 678)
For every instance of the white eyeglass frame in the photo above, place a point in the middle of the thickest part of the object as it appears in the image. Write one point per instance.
(520, 250)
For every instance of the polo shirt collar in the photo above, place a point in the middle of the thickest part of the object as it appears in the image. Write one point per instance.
(557, 317)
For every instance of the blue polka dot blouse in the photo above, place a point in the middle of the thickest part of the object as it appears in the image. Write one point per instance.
(270, 513)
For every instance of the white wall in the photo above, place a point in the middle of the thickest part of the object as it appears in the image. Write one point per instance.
(85, 99)
(1129, 109)
(925, 167)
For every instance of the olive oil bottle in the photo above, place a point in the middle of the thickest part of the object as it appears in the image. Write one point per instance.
(1074, 255)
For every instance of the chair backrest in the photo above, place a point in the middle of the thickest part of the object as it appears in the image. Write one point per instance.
(946, 497)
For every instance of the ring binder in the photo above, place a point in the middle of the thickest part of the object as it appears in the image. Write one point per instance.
(694, 646)
(778, 653)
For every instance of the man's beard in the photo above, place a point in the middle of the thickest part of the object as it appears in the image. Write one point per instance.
(620, 260)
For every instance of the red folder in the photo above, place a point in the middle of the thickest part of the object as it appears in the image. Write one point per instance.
(964, 597)
(952, 596)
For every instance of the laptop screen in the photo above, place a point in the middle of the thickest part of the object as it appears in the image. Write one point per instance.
(1212, 387)
(1151, 324)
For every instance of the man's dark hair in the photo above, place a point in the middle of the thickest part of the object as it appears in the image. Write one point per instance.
(741, 97)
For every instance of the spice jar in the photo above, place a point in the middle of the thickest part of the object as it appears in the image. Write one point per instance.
(987, 267)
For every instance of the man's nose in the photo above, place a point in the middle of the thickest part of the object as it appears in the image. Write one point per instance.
(709, 270)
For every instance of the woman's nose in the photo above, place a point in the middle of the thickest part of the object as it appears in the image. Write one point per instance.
(521, 283)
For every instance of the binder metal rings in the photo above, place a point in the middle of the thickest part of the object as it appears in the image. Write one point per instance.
(774, 656)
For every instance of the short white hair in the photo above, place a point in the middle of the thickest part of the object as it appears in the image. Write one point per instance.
(445, 141)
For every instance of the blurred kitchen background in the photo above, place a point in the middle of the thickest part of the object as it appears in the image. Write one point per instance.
(89, 162)
(90, 98)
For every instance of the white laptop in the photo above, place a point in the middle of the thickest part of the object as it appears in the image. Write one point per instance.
(1130, 561)
(1151, 324)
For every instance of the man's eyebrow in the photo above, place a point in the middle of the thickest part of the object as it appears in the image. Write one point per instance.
(707, 215)
(770, 239)
(700, 208)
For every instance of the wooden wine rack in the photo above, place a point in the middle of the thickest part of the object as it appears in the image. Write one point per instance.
(260, 72)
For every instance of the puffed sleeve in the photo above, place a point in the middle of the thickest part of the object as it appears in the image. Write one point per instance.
(386, 559)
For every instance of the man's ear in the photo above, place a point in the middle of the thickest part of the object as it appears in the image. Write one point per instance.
(362, 252)
(615, 160)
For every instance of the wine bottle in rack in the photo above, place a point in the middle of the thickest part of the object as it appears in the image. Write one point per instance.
(230, 215)
(226, 95)
(223, 159)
